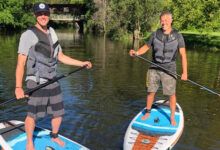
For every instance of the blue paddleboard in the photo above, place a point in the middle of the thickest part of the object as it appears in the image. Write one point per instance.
(159, 121)
(15, 137)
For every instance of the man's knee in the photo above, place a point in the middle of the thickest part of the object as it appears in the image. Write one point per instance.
(151, 94)
(173, 96)
(29, 118)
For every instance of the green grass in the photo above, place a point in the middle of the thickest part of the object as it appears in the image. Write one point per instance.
(208, 40)
(206, 33)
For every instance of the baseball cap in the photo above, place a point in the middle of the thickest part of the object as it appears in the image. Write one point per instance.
(41, 6)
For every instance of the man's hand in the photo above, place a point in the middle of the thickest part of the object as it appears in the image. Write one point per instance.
(132, 52)
(88, 63)
(19, 93)
(184, 77)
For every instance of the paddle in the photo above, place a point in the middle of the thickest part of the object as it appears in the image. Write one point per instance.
(175, 74)
(45, 84)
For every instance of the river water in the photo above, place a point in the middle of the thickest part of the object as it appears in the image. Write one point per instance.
(101, 102)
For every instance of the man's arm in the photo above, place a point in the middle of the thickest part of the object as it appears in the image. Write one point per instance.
(184, 63)
(70, 61)
(140, 51)
(145, 47)
(19, 92)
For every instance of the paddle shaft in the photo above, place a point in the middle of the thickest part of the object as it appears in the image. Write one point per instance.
(27, 92)
(175, 74)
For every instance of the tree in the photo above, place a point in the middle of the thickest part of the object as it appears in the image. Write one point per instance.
(196, 14)
(134, 15)
(98, 15)
(15, 14)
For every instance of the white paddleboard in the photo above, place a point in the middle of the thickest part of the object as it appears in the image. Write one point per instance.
(156, 132)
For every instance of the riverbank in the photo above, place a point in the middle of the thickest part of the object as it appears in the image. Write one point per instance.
(208, 41)
(196, 40)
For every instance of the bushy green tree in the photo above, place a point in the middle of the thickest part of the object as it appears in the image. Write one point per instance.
(15, 14)
(63, 1)
(196, 14)
(96, 15)
(128, 16)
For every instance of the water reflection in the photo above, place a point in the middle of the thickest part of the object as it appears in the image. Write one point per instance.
(101, 102)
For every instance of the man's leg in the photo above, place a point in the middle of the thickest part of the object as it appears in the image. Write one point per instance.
(29, 129)
(154, 83)
(169, 88)
(150, 99)
(56, 122)
(173, 108)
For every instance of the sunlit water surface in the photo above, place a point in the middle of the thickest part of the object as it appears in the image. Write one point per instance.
(100, 102)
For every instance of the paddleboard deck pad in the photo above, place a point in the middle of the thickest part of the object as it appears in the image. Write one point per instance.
(13, 136)
(155, 132)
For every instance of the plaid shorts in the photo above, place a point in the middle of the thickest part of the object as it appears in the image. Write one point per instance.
(47, 100)
(157, 77)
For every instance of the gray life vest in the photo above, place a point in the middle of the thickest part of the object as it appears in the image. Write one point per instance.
(165, 50)
(42, 57)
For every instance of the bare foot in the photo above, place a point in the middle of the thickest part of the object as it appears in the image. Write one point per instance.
(58, 141)
(30, 147)
(173, 121)
(145, 116)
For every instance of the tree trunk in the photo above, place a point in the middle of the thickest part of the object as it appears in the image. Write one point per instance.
(136, 34)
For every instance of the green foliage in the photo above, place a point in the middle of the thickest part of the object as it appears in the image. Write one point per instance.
(6, 17)
(126, 16)
(15, 14)
(196, 15)
(76, 1)
(123, 17)
(64, 1)
(129, 15)
(18, 13)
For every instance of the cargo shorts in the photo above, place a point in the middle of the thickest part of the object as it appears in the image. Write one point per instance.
(47, 100)
(157, 78)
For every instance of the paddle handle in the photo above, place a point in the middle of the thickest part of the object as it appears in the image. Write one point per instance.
(27, 92)
(53, 80)
(175, 74)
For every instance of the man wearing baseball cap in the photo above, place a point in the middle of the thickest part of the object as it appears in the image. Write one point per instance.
(38, 7)
(39, 47)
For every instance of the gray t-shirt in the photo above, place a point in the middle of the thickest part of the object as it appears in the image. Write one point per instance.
(28, 39)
